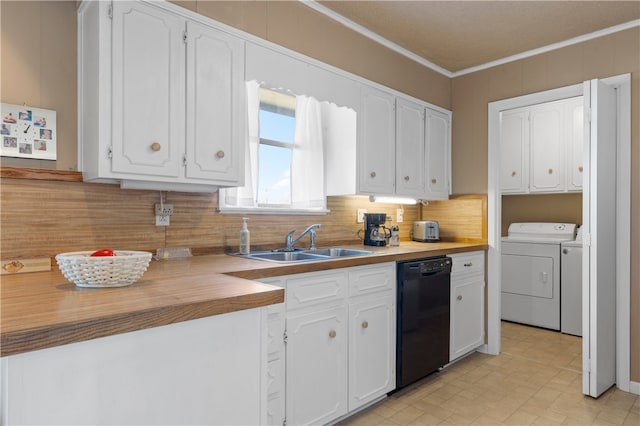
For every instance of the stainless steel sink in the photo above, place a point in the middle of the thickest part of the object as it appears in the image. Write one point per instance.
(324, 253)
(285, 256)
(338, 252)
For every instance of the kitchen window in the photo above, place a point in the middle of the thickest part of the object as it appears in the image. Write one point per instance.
(284, 159)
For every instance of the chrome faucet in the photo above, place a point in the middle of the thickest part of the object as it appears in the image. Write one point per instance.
(289, 241)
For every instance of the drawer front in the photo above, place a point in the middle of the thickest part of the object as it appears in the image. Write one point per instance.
(372, 279)
(468, 262)
(315, 289)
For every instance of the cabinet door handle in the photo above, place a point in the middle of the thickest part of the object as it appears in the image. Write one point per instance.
(434, 180)
(365, 324)
(332, 334)
(513, 173)
(468, 265)
(220, 154)
(459, 297)
(406, 178)
(580, 169)
(155, 147)
(550, 170)
(373, 174)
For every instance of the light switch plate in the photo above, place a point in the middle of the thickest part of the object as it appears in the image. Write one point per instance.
(399, 215)
(360, 215)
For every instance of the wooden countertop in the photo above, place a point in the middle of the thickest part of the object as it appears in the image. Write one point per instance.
(42, 309)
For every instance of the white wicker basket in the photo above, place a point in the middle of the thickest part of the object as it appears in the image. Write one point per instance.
(123, 269)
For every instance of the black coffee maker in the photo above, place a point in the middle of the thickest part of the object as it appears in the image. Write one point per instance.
(375, 233)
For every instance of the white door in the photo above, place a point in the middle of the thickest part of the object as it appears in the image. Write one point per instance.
(599, 228)
(148, 90)
(547, 148)
(316, 367)
(410, 149)
(215, 106)
(372, 350)
(514, 151)
(438, 135)
(377, 142)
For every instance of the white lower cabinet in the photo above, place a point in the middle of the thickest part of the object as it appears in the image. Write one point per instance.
(339, 329)
(372, 350)
(316, 366)
(467, 303)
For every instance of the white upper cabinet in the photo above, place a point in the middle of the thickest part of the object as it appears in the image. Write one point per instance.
(514, 151)
(161, 98)
(148, 91)
(410, 149)
(574, 111)
(403, 147)
(438, 162)
(547, 148)
(215, 106)
(377, 149)
(541, 148)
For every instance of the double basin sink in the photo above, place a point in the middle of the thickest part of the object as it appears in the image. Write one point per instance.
(325, 253)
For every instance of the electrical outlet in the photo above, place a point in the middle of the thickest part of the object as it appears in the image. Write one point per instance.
(399, 215)
(360, 215)
(162, 220)
(164, 210)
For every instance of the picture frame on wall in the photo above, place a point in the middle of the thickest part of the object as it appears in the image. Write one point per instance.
(28, 132)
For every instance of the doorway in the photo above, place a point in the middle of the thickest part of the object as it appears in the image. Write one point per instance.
(622, 84)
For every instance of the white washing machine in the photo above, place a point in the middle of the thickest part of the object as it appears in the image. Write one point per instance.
(571, 286)
(531, 272)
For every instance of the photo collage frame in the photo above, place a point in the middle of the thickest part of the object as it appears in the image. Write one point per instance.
(28, 132)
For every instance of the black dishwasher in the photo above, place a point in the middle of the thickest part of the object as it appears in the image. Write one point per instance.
(423, 318)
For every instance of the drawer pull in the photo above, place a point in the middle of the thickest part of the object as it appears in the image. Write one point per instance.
(332, 334)
(434, 180)
(220, 154)
(373, 174)
(459, 297)
(406, 178)
(155, 147)
(468, 265)
(365, 324)
(513, 173)
(580, 169)
(550, 170)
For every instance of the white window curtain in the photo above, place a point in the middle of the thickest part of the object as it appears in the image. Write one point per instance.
(307, 161)
(245, 197)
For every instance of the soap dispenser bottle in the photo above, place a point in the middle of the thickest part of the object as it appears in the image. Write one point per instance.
(244, 237)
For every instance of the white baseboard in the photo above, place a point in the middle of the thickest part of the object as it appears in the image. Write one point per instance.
(634, 387)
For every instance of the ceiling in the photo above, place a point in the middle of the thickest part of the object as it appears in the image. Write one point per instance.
(459, 35)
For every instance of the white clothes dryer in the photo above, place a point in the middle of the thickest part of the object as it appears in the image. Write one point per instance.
(571, 286)
(531, 272)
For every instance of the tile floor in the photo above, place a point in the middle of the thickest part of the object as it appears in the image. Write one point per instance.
(536, 380)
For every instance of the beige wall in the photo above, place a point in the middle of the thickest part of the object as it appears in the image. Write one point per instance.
(615, 54)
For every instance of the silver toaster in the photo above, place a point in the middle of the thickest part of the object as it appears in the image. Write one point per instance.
(425, 231)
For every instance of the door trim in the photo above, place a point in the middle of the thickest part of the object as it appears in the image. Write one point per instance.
(623, 200)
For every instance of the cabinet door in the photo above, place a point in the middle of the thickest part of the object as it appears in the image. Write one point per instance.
(438, 139)
(215, 105)
(376, 142)
(410, 149)
(316, 368)
(467, 315)
(372, 350)
(547, 148)
(574, 131)
(514, 151)
(148, 90)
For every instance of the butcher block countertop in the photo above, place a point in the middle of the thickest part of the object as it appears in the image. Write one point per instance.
(42, 309)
